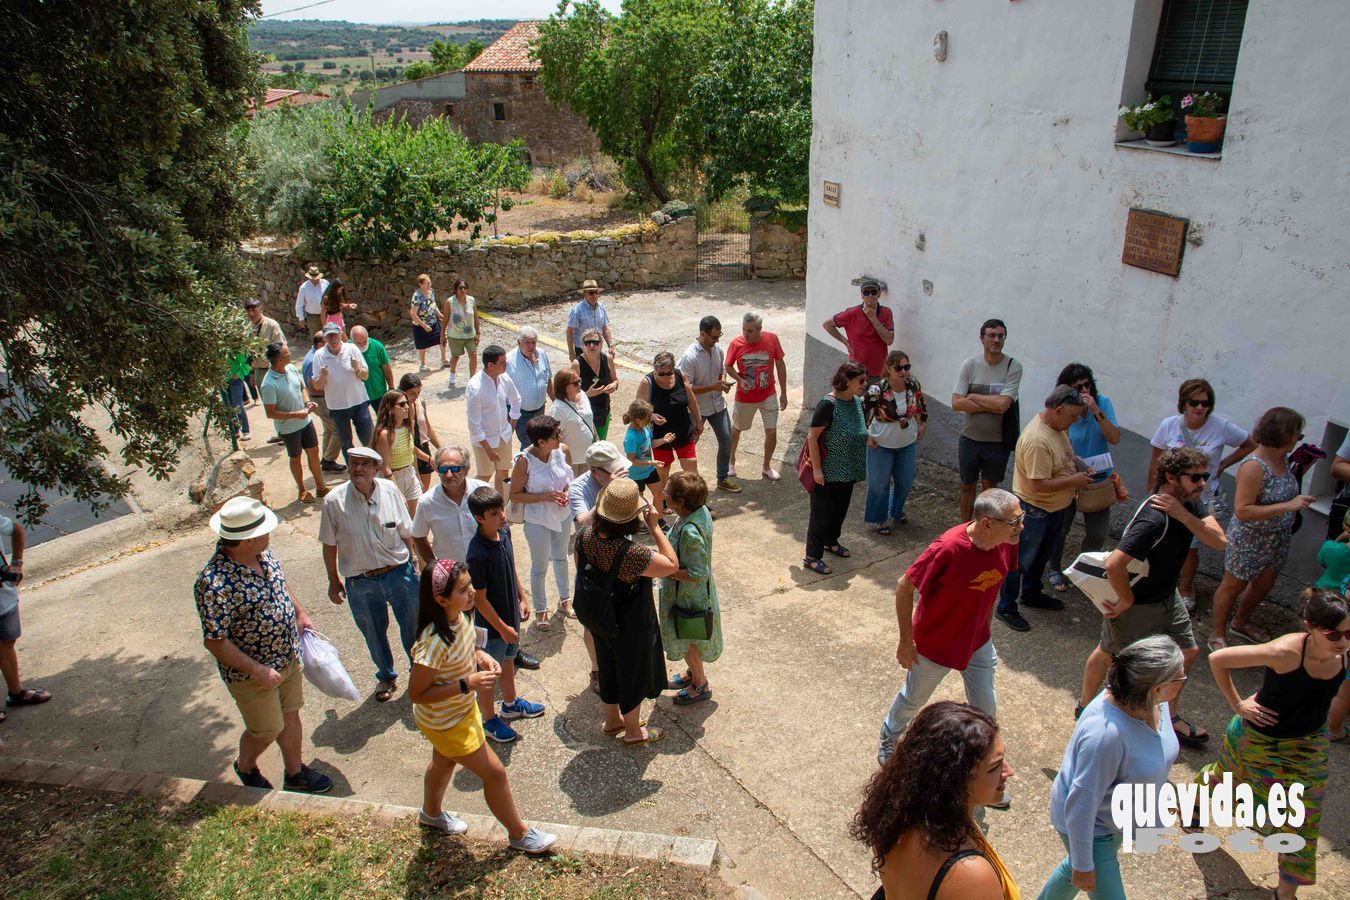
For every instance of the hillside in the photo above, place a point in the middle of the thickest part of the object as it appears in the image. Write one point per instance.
(318, 40)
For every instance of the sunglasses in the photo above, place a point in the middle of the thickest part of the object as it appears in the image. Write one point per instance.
(904, 368)
(1194, 404)
(591, 343)
(1333, 634)
(871, 292)
(453, 470)
(1082, 386)
(665, 374)
(1195, 478)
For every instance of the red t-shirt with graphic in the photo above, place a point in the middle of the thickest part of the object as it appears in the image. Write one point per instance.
(958, 585)
(755, 362)
(866, 345)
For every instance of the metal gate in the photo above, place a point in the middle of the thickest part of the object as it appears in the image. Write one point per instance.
(723, 242)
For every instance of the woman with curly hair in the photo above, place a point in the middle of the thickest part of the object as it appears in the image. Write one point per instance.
(918, 813)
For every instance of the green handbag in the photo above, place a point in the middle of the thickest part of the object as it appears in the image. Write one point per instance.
(692, 625)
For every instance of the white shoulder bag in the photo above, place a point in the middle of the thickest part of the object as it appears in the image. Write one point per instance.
(1088, 572)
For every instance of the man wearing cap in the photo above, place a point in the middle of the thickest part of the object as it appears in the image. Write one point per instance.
(331, 445)
(267, 331)
(368, 552)
(703, 365)
(492, 405)
(381, 377)
(532, 375)
(340, 373)
(589, 313)
(283, 397)
(1045, 480)
(869, 328)
(251, 624)
(443, 526)
(309, 300)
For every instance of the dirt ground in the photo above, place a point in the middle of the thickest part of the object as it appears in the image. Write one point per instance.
(772, 767)
(533, 212)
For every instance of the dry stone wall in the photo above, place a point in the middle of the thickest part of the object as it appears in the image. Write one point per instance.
(777, 250)
(502, 274)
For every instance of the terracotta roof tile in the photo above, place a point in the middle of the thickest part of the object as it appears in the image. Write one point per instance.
(510, 52)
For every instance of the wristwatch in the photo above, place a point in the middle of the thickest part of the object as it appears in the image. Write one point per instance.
(463, 686)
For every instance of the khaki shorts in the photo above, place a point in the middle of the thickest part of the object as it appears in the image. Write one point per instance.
(407, 482)
(263, 708)
(461, 346)
(484, 466)
(743, 414)
(1147, 619)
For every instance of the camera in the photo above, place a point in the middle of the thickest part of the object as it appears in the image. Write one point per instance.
(7, 575)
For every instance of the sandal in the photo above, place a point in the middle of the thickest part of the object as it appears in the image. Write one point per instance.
(653, 735)
(1191, 737)
(683, 680)
(615, 732)
(1057, 581)
(384, 691)
(1216, 644)
(884, 530)
(541, 620)
(29, 697)
(1337, 736)
(839, 550)
(1249, 633)
(693, 694)
(306, 497)
(566, 611)
(817, 565)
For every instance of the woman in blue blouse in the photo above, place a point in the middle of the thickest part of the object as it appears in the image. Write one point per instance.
(1092, 437)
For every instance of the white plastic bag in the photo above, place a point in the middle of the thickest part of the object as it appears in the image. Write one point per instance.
(1088, 571)
(323, 668)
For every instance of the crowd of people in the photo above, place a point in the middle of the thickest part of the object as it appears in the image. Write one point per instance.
(438, 555)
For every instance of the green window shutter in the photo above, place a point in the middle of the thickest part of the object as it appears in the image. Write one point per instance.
(1197, 47)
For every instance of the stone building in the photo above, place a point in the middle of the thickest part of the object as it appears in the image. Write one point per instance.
(982, 171)
(418, 100)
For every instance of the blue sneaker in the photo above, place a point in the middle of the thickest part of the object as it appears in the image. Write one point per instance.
(522, 709)
(499, 731)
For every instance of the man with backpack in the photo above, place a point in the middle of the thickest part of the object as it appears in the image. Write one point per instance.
(1159, 534)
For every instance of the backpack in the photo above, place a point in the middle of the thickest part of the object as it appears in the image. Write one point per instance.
(597, 591)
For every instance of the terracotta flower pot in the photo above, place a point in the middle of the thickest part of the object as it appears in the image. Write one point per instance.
(1205, 135)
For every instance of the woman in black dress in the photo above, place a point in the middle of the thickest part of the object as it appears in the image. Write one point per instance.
(597, 380)
(628, 649)
(675, 413)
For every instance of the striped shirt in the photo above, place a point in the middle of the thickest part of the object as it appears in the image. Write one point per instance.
(450, 662)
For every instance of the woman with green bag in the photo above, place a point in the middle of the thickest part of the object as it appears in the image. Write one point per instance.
(691, 623)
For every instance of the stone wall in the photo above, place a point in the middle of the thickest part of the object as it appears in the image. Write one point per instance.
(502, 274)
(553, 135)
(777, 247)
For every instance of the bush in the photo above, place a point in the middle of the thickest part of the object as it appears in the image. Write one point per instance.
(539, 180)
(582, 192)
(599, 173)
(557, 186)
(329, 64)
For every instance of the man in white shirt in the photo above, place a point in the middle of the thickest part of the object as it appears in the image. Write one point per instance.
(493, 406)
(443, 525)
(530, 372)
(368, 553)
(703, 365)
(340, 372)
(309, 300)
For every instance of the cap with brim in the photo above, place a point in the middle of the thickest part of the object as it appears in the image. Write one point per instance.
(604, 455)
(313, 272)
(365, 453)
(869, 284)
(590, 285)
(242, 518)
(620, 502)
(332, 328)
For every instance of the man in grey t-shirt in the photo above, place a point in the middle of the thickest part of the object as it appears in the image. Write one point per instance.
(986, 388)
(702, 365)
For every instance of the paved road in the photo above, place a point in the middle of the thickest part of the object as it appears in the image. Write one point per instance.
(64, 515)
(772, 767)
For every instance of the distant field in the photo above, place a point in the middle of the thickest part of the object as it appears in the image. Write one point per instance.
(382, 60)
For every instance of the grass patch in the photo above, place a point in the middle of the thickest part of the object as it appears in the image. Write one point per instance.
(65, 842)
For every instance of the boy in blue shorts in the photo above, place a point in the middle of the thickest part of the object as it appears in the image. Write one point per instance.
(500, 604)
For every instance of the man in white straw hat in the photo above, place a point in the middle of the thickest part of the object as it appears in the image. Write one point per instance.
(368, 551)
(251, 623)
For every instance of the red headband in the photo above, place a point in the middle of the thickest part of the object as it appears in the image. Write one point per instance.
(440, 575)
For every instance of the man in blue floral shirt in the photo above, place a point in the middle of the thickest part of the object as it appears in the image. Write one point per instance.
(251, 623)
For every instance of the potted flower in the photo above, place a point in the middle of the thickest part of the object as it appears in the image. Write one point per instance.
(1154, 118)
(1205, 121)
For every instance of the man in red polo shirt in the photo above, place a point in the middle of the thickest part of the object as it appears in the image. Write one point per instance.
(957, 580)
(869, 329)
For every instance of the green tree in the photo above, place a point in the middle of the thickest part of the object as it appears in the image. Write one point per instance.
(119, 220)
(419, 69)
(445, 56)
(754, 101)
(629, 77)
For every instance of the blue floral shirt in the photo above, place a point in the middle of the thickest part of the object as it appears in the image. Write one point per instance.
(254, 612)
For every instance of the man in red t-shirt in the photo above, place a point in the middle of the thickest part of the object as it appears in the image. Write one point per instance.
(869, 329)
(957, 579)
(752, 359)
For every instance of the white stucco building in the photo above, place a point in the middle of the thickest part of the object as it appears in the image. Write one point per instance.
(1004, 163)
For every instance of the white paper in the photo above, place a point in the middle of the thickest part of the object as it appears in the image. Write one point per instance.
(1100, 463)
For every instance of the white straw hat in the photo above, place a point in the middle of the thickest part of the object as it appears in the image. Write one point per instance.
(242, 518)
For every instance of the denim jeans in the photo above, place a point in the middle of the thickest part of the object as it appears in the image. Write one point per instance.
(234, 395)
(720, 423)
(1039, 531)
(547, 545)
(1105, 864)
(345, 419)
(923, 679)
(371, 599)
(523, 438)
(884, 466)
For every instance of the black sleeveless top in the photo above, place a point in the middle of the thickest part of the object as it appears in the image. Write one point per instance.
(673, 404)
(1300, 700)
(589, 379)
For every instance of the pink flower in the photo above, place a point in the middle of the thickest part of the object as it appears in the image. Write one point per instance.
(1187, 100)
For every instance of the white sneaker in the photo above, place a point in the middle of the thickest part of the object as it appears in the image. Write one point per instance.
(452, 379)
(1190, 604)
(534, 842)
(444, 822)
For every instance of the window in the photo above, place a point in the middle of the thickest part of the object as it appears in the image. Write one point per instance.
(499, 112)
(1197, 47)
(449, 110)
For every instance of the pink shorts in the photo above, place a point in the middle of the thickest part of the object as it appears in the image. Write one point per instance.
(667, 453)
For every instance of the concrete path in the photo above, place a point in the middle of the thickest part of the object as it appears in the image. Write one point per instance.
(771, 768)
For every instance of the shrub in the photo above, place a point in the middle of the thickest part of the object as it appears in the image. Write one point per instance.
(557, 186)
(583, 193)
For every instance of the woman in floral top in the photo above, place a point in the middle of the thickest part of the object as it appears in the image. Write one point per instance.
(426, 318)
(897, 417)
(837, 445)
